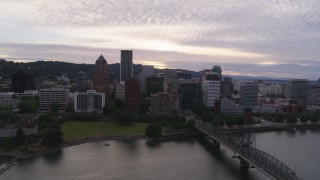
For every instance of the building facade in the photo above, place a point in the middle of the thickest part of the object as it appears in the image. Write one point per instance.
(146, 72)
(314, 96)
(164, 104)
(154, 84)
(248, 93)
(132, 95)
(297, 89)
(190, 94)
(21, 81)
(101, 77)
(82, 81)
(229, 107)
(126, 72)
(211, 92)
(89, 101)
(120, 91)
(226, 87)
(58, 96)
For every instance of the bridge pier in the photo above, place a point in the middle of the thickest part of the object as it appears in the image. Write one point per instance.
(243, 163)
(215, 143)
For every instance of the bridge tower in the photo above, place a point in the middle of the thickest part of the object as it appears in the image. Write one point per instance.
(248, 138)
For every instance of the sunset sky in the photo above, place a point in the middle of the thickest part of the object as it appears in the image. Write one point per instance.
(274, 38)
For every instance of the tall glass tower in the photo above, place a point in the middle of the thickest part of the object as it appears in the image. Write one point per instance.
(126, 65)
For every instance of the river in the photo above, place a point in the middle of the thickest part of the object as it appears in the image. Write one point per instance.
(182, 159)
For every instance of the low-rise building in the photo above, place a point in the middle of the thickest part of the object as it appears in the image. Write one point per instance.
(10, 130)
(8, 99)
(229, 107)
(89, 101)
(164, 104)
(120, 91)
(58, 96)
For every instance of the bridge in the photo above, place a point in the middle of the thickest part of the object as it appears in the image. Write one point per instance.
(264, 162)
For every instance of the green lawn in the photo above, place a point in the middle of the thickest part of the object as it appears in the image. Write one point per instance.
(75, 129)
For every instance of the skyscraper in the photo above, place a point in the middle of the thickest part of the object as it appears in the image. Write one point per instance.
(101, 77)
(297, 89)
(81, 81)
(126, 65)
(249, 93)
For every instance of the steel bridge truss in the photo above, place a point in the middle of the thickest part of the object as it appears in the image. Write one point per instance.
(263, 161)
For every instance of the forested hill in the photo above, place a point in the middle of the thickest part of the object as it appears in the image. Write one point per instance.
(53, 69)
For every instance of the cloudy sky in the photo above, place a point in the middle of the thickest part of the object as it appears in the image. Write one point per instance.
(274, 38)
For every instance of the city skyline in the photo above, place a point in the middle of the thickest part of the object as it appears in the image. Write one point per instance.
(265, 38)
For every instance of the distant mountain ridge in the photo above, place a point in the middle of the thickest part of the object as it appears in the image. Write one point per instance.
(50, 69)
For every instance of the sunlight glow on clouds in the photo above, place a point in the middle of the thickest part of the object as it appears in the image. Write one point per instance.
(156, 64)
(263, 33)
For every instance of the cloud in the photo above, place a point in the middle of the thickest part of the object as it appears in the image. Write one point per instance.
(210, 31)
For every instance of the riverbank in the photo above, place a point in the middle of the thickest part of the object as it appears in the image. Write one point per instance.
(275, 127)
(25, 155)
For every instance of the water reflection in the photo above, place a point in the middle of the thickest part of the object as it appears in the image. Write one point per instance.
(224, 157)
(153, 143)
(183, 159)
(53, 158)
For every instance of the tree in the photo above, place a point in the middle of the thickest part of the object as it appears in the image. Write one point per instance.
(54, 107)
(44, 121)
(20, 137)
(279, 117)
(239, 120)
(28, 106)
(53, 137)
(118, 104)
(304, 118)
(123, 118)
(154, 131)
(291, 118)
(314, 118)
(69, 108)
(144, 104)
(230, 121)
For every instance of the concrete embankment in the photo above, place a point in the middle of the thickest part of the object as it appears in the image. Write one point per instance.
(176, 136)
(275, 127)
(8, 165)
(103, 138)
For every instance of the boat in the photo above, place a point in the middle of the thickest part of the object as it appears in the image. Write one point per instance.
(107, 144)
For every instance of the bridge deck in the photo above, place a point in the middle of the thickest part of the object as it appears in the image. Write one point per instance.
(263, 161)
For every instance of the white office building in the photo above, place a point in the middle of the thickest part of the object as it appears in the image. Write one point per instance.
(89, 101)
(211, 92)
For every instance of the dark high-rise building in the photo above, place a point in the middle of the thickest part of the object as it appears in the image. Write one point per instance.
(101, 77)
(82, 83)
(297, 89)
(154, 85)
(226, 87)
(249, 93)
(126, 65)
(132, 95)
(21, 81)
(190, 94)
